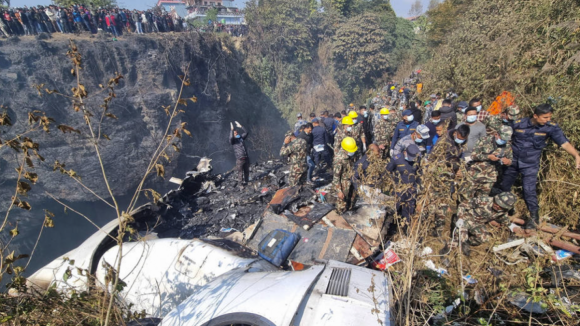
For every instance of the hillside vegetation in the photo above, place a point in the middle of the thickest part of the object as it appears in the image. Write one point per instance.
(530, 48)
(310, 56)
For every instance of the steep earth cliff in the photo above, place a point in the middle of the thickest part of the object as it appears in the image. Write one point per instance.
(150, 65)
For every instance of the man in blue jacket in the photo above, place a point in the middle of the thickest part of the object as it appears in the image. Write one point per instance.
(406, 127)
(530, 137)
(320, 139)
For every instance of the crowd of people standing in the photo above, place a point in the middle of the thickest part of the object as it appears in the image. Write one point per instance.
(83, 19)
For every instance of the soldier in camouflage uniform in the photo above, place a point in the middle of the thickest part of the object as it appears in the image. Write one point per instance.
(358, 130)
(342, 173)
(477, 213)
(384, 132)
(506, 118)
(491, 153)
(296, 149)
(343, 131)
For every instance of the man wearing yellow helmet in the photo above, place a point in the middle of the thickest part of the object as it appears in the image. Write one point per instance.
(383, 131)
(342, 173)
(344, 131)
(297, 150)
(358, 131)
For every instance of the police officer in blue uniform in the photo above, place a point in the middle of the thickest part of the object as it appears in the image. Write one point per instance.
(404, 170)
(529, 139)
(404, 128)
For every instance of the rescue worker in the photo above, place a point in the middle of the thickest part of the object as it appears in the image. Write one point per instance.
(419, 138)
(491, 153)
(404, 128)
(342, 173)
(242, 161)
(299, 123)
(507, 117)
(446, 162)
(296, 149)
(358, 131)
(366, 124)
(404, 171)
(477, 213)
(346, 130)
(529, 139)
(383, 132)
(320, 141)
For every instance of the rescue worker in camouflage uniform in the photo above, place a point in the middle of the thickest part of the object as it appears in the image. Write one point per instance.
(477, 213)
(445, 162)
(507, 118)
(344, 130)
(384, 132)
(491, 153)
(342, 173)
(358, 130)
(296, 150)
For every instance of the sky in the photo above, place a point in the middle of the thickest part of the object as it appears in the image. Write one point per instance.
(401, 6)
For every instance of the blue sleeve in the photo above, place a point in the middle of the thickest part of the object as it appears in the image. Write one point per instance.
(395, 137)
(557, 135)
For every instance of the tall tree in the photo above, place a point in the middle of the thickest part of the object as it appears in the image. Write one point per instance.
(433, 4)
(416, 9)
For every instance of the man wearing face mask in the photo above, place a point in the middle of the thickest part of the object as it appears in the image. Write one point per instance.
(460, 112)
(242, 161)
(404, 170)
(345, 130)
(419, 138)
(296, 149)
(404, 128)
(477, 131)
(383, 132)
(342, 173)
(475, 215)
(530, 137)
(366, 123)
(506, 118)
(432, 124)
(306, 134)
(358, 130)
(482, 114)
(448, 114)
(491, 153)
(446, 157)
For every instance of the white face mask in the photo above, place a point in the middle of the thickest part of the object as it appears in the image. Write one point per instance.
(436, 121)
(401, 108)
(478, 108)
(349, 129)
(471, 118)
(410, 118)
(350, 154)
(354, 120)
(385, 117)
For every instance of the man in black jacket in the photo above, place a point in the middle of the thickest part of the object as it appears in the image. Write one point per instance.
(320, 139)
(242, 160)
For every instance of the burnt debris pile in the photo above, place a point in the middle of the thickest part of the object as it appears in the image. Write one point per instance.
(207, 204)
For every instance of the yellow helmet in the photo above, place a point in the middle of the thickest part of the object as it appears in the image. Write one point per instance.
(392, 88)
(349, 145)
(401, 90)
(347, 121)
(353, 114)
(385, 111)
(351, 105)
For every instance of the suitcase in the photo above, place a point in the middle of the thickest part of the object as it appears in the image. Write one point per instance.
(277, 246)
